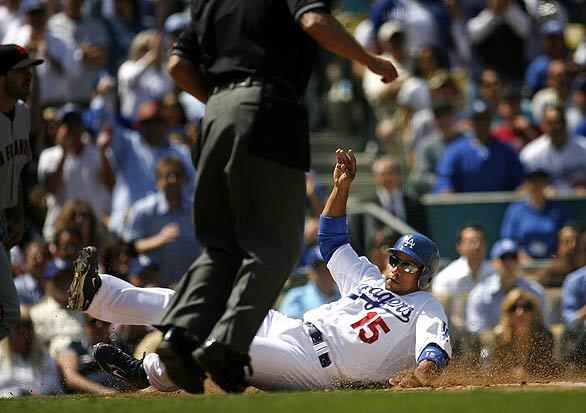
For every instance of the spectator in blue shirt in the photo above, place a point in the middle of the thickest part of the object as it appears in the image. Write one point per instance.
(478, 162)
(574, 312)
(320, 289)
(534, 221)
(484, 301)
(552, 48)
(135, 155)
(160, 224)
(29, 285)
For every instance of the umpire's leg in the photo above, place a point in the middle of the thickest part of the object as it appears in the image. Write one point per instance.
(9, 304)
(270, 213)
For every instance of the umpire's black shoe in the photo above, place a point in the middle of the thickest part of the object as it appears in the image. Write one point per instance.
(86, 280)
(175, 353)
(225, 366)
(123, 366)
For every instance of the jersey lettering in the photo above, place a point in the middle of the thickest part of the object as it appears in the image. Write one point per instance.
(373, 326)
(376, 297)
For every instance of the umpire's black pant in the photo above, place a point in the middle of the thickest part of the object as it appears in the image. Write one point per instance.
(248, 216)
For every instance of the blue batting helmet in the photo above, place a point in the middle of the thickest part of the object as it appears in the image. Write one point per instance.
(423, 250)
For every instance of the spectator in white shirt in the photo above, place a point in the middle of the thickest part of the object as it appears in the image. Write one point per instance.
(74, 168)
(10, 14)
(562, 157)
(143, 76)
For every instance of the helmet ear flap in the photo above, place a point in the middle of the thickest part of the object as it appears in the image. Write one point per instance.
(424, 279)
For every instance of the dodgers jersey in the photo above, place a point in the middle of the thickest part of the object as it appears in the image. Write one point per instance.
(372, 332)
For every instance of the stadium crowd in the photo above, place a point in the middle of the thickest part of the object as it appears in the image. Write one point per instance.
(491, 96)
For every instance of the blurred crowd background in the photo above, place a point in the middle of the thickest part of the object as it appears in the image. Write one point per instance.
(487, 117)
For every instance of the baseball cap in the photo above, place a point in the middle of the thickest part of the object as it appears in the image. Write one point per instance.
(56, 266)
(388, 30)
(69, 109)
(551, 28)
(13, 56)
(142, 263)
(477, 108)
(502, 247)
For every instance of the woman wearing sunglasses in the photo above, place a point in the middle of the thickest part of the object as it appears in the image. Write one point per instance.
(523, 346)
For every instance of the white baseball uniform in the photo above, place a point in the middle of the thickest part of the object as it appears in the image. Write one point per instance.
(369, 335)
(15, 152)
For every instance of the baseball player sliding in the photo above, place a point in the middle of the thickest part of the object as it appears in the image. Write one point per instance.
(16, 78)
(385, 326)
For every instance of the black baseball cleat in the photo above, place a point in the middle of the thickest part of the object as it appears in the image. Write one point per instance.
(120, 365)
(225, 366)
(86, 280)
(175, 353)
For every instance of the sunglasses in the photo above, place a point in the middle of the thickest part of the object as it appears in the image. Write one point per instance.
(525, 306)
(407, 266)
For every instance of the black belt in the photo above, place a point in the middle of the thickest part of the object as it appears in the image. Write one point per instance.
(316, 339)
(272, 85)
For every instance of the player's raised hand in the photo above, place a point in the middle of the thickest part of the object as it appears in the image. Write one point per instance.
(345, 169)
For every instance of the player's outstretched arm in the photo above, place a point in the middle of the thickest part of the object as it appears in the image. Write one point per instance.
(343, 175)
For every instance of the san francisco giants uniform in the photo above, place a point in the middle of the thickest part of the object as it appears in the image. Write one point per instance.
(369, 335)
(15, 152)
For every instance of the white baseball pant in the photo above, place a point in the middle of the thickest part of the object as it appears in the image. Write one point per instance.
(282, 354)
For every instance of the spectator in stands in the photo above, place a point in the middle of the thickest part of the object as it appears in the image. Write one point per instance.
(514, 128)
(383, 96)
(145, 272)
(555, 152)
(485, 299)
(534, 221)
(160, 224)
(10, 14)
(390, 194)
(502, 22)
(378, 252)
(60, 63)
(432, 147)
(574, 312)
(117, 258)
(143, 75)
(26, 369)
(81, 372)
(443, 90)
(319, 289)
(123, 26)
(453, 284)
(78, 213)
(490, 88)
(567, 259)
(91, 41)
(557, 92)
(478, 162)
(523, 345)
(552, 46)
(74, 168)
(134, 157)
(579, 101)
(29, 285)
(57, 327)
(426, 22)
(173, 115)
